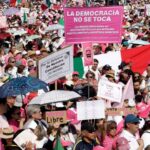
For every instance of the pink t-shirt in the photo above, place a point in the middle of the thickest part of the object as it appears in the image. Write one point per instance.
(1, 145)
(14, 124)
(109, 142)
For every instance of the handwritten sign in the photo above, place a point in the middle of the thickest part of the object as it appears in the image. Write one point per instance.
(56, 117)
(110, 91)
(56, 65)
(90, 110)
(120, 111)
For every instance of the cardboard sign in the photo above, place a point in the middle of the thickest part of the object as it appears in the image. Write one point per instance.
(94, 24)
(88, 54)
(90, 110)
(110, 91)
(56, 65)
(120, 111)
(56, 117)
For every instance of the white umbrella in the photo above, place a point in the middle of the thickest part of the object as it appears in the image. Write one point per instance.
(139, 42)
(54, 97)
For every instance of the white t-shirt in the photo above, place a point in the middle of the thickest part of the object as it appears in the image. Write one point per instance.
(3, 122)
(131, 139)
(146, 138)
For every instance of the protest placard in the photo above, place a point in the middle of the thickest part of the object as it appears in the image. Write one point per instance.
(90, 110)
(147, 7)
(110, 91)
(99, 24)
(120, 111)
(56, 117)
(56, 65)
(24, 137)
(88, 54)
(3, 22)
(24, 10)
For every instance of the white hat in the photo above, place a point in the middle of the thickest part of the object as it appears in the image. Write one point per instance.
(131, 103)
(19, 101)
(7, 133)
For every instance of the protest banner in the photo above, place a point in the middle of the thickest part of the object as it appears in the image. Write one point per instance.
(147, 7)
(88, 54)
(24, 10)
(110, 91)
(56, 117)
(56, 65)
(120, 111)
(99, 24)
(90, 110)
(3, 22)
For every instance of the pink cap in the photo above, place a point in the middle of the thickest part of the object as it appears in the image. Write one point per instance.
(75, 73)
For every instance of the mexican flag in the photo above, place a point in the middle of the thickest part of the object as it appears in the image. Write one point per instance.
(47, 3)
(58, 145)
(25, 18)
(139, 57)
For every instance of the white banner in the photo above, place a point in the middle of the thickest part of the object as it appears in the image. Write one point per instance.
(54, 27)
(147, 9)
(24, 10)
(56, 65)
(90, 110)
(3, 22)
(110, 91)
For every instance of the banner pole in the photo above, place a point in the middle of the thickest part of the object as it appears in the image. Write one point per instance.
(56, 85)
(88, 85)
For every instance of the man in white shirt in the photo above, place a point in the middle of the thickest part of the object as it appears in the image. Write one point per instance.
(131, 126)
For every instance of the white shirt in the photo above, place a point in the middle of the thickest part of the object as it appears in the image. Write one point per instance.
(3, 122)
(131, 139)
(146, 138)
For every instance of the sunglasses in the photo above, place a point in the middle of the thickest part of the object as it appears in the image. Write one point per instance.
(12, 61)
(31, 66)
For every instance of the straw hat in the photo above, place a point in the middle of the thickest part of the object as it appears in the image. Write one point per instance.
(7, 133)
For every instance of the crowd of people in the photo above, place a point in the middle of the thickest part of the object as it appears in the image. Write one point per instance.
(23, 43)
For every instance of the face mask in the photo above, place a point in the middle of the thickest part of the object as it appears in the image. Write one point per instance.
(6, 50)
(10, 72)
(65, 129)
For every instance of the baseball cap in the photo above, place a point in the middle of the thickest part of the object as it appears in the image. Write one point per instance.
(132, 119)
(75, 73)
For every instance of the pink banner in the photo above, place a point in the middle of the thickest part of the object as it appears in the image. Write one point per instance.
(103, 24)
(88, 54)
